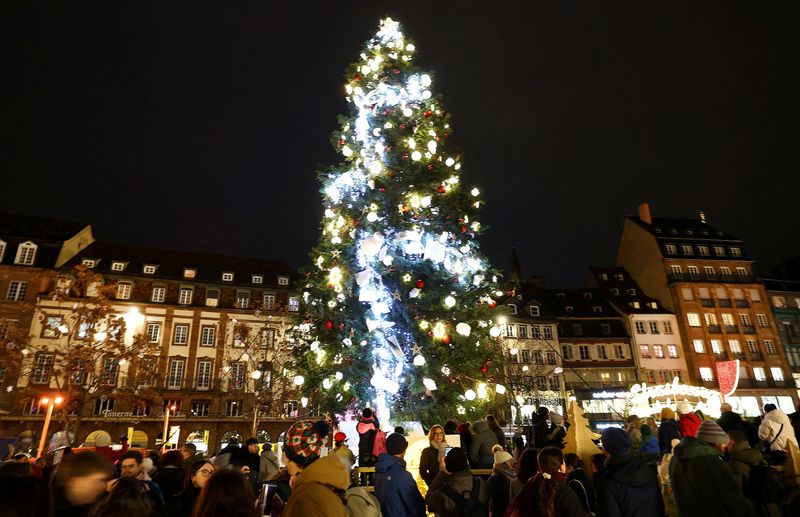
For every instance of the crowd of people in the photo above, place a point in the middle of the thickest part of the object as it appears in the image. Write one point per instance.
(679, 465)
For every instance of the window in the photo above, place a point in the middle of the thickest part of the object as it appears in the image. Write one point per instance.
(577, 329)
(110, 369)
(777, 373)
(569, 308)
(716, 346)
(118, 266)
(673, 351)
(671, 249)
(185, 296)
(149, 269)
(283, 280)
(227, 276)
(702, 250)
(7, 328)
(189, 272)
(513, 356)
(741, 272)
(762, 320)
(257, 279)
(525, 356)
(212, 297)
(752, 346)
(175, 376)
(153, 331)
(759, 374)
(145, 372)
(204, 374)
(2, 249)
(294, 304)
(267, 338)
(693, 318)
(199, 408)
(523, 331)
(719, 251)
(668, 327)
(208, 334)
(755, 295)
(725, 271)
(289, 409)
(676, 270)
(237, 374)
(88, 262)
(158, 295)
(43, 368)
(736, 252)
(692, 270)
(16, 291)
(735, 346)
(699, 346)
(103, 406)
(706, 374)
(534, 310)
(658, 351)
(548, 332)
(653, 327)
(687, 249)
(597, 309)
(619, 352)
(583, 350)
(744, 319)
(645, 351)
(601, 352)
(550, 357)
(511, 331)
(687, 293)
(635, 305)
(587, 295)
(615, 291)
(269, 301)
(727, 319)
(243, 299)
(536, 331)
(711, 319)
(605, 328)
(566, 352)
(52, 326)
(181, 334)
(555, 384)
(124, 290)
(26, 254)
(770, 346)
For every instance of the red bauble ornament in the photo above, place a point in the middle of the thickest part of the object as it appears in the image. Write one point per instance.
(430, 166)
(489, 362)
(492, 304)
(357, 77)
(440, 189)
(402, 126)
(395, 71)
(484, 369)
(452, 380)
(427, 113)
(463, 229)
(446, 339)
(382, 188)
(341, 327)
(329, 325)
(405, 157)
(315, 391)
(420, 284)
(491, 378)
(446, 135)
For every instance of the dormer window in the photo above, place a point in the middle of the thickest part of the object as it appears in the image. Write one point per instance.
(615, 291)
(283, 280)
(587, 295)
(654, 305)
(561, 296)
(619, 277)
(26, 254)
(603, 276)
(512, 309)
(227, 276)
(118, 266)
(719, 251)
(671, 249)
(632, 292)
(90, 263)
(534, 310)
(635, 305)
(687, 250)
(735, 252)
(258, 279)
(597, 308)
(569, 308)
(149, 269)
(189, 272)
(2, 249)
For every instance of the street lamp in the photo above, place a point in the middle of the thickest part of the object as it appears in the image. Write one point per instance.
(164, 438)
(51, 403)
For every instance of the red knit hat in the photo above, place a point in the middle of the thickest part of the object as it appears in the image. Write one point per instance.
(303, 441)
(339, 437)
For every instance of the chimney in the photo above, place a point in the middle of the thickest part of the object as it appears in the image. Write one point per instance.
(644, 213)
(702, 216)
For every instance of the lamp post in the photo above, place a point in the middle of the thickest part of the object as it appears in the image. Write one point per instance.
(51, 403)
(164, 437)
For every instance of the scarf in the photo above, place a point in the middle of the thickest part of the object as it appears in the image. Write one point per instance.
(440, 447)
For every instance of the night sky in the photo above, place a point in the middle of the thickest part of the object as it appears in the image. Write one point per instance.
(201, 128)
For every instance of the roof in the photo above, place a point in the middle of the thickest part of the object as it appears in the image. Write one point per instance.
(691, 232)
(587, 307)
(773, 284)
(622, 291)
(24, 227)
(171, 264)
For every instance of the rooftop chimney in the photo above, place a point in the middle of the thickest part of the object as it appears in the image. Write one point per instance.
(644, 213)
(702, 216)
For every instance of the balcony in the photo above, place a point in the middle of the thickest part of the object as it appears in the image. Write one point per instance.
(706, 277)
(741, 304)
(748, 329)
(722, 356)
(756, 356)
(706, 302)
(754, 384)
(731, 329)
(714, 329)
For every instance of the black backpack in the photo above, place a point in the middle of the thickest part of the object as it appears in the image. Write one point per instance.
(765, 484)
(469, 503)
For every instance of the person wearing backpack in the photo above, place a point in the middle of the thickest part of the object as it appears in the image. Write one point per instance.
(702, 483)
(367, 429)
(762, 484)
(456, 492)
(395, 488)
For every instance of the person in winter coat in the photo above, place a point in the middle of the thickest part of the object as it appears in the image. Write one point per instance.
(458, 479)
(170, 475)
(269, 464)
(342, 450)
(557, 432)
(541, 427)
(314, 479)
(688, 422)
(197, 476)
(633, 426)
(667, 431)
(103, 447)
(79, 483)
(480, 452)
(500, 482)
(190, 455)
(395, 488)
(626, 487)
(741, 459)
(495, 427)
(776, 429)
(649, 445)
(528, 467)
(230, 455)
(670, 506)
(579, 482)
(547, 493)
(702, 483)
(729, 420)
(432, 457)
(367, 429)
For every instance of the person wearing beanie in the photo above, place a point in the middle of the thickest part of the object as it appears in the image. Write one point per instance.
(499, 483)
(342, 450)
(688, 421)
(702, 483)
(448, 486)
(668, 430)
(626, 487)
(314, 480)
(395, 488)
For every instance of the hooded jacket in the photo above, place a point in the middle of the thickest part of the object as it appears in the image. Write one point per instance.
(499, 484)
(314, 493)
(396, 489)
(367, 429)
(268, 464)
(689, 423)
(566, 502)
(770, 430)
(480, 452)
(703, 484)
(627, 487)
(668, 431)
(729, 421)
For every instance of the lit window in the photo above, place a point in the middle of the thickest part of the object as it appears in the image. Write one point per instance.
(512, 309)
(777, 373)
(735, 346)
(2, 249)
(175, 376)
(189, 272)
(711, 319)
(212, 297)
(719, 251)
(258, 279)
(294, 304)
(752, 346)
(181, 334)
(26, 254)
(762, 320)
(744, 319)
(269, 301)
(675, 269)
(759, 374)
(716, 346)
(153, 331)
(208, 335)
(124, 290)
(118, 266)
(523, 331)
(283, 280)
(706, 374)
(692, 270)
(658, 351)
(645, 351)
(736, 252)
(243, 299)
(16, 291)
(699, 346)
(693, 318)
(204, 377)
(227, 277)
(725, 271)
(727, 319)
(149, 269)
(687, 250)
(534, 310)
(671, 249)
(702, 250)
(741, 272)
(673, 351)
(159, 294)
(89, 262)
(770, 346)
(185, 296)
(547, 332)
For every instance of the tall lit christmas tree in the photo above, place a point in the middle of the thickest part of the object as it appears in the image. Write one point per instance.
(399, 309)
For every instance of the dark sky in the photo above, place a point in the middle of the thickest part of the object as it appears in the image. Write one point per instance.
(201, 128)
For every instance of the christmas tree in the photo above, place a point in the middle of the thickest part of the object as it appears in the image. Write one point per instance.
(398, 307)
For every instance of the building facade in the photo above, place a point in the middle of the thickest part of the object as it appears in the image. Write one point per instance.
(704, 276)
(784, 299)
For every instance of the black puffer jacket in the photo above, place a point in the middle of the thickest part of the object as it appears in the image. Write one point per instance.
(627, 487)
